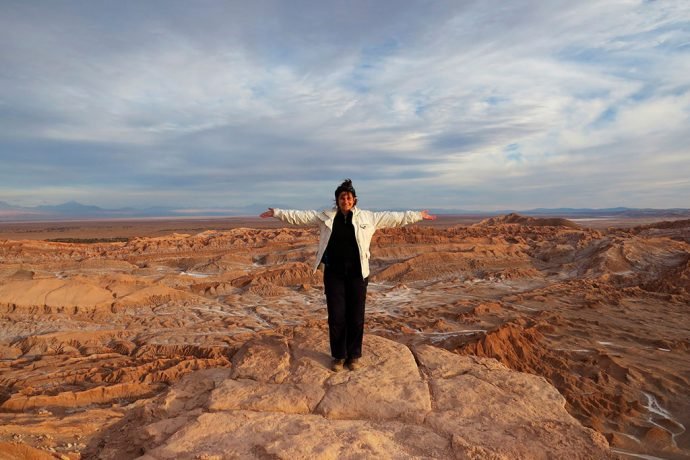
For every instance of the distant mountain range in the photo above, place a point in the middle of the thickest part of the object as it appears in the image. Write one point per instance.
(73, 210)
(605, 212)
(76, 211)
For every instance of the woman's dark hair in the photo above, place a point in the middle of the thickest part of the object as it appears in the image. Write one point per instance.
(346, 186)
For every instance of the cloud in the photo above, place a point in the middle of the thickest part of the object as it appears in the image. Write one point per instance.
(428, 104)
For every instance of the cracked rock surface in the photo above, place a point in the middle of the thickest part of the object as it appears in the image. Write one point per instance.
(280, 400)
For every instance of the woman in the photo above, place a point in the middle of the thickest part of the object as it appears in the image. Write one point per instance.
(345, 236)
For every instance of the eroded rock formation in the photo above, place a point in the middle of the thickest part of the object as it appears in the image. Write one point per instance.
(91, 334)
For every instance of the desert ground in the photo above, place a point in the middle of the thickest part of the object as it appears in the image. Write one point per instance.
(508, 337)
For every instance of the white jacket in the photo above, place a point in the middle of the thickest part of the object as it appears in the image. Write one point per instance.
(365, 223)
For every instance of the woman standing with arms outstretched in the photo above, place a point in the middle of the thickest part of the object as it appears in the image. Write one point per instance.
(345, 236)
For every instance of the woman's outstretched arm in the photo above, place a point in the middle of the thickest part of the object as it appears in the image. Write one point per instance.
(292, 216)
(387, 219)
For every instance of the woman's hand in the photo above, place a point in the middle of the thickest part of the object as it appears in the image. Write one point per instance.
(268, 213)
(427, 216)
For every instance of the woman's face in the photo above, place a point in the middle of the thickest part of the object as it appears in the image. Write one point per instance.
(345, 202)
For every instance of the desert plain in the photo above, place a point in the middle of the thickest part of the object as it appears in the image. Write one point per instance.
(509, 337)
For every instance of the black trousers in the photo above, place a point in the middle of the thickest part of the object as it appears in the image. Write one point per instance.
(346, 295)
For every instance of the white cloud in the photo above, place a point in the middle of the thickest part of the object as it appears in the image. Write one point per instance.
(517, 100)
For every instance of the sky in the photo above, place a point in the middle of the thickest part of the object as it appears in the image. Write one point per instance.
(427, 104)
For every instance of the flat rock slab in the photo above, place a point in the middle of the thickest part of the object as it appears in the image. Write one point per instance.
(281, 400)
(289, 398)
(389, 385)
(248, 434)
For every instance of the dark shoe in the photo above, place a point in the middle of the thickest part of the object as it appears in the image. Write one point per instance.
(337, 365)
(353, 364)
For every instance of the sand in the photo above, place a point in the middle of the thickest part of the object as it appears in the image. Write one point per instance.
(96, 333)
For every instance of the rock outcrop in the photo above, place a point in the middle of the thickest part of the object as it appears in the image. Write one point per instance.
(514, 218)
(280, 400)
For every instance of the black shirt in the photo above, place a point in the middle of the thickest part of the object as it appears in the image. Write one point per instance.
(342, 253)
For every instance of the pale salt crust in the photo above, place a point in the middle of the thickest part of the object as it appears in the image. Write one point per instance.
(197, 275)
(654, 407)
(633, 455)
